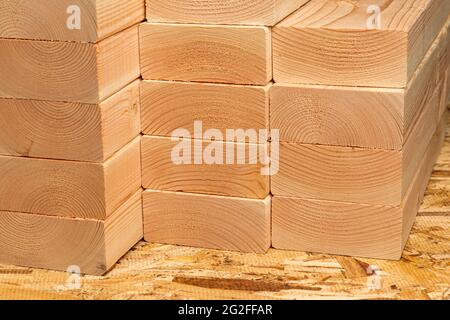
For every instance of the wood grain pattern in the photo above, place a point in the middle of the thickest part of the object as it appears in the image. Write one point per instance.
(349, 228)
(171, 271)
(204, 221)
(68, 71)
(47, 19)
(355, 116)
(239, 12)
(328, 42)
(368, 176)
(206, 53)
(70, 131)
(70, 189)
(168, 106)
(240, 180)
(57, 243)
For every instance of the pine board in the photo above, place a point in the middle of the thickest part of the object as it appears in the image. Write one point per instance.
(237, 12)
(68, 71)
(206, 53)
(70, 189)
(47, 19)
(169, 105)
(57, 243)
(68, 130)
(205, 221)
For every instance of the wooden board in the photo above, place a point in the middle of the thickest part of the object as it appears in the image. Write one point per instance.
(328, 42)
(67, 188)
(204, 221)
(239, 12)
(68, 71)
(174, 272)
(159, 172)
(368, 176)
(50, 19)
(168, 106)
(349, 228)
(206, 53)
(68, 130)
(356, 116)
(57, 243)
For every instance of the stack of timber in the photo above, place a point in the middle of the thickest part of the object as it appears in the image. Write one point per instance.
(209, 63)
(70, 174)
(361, 115)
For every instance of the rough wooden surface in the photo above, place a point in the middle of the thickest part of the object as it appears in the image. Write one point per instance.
(152, 271)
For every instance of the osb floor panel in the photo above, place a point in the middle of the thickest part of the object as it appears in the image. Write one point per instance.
(168, 272)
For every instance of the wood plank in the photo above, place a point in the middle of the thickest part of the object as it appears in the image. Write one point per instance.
(238, 12)
(47, 19)
(356, 116)
(159, 172)
(372, 176)
(67, 188)
(68, 130)
(69, 71)
(168, 106)
(206, 53)
(328, 42)
(233, 224)
(352, 229)
(57, 243)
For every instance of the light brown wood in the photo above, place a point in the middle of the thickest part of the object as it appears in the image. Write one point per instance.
(68, 71)
(239, 12)
(67, 130)
(328, 42)
(368, 176)
(57, 243)
(204, 221)
(171, 271)
(206, 53)
(349, 228)
(168, 106)
(67, 188)
(159, 172)
(355, 116)
(47, 19)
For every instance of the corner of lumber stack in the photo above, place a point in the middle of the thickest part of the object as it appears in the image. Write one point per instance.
(328, 42)
(225, 12)
(353, 229)
(70, 156)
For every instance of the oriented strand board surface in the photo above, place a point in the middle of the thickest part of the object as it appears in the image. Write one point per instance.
(68, 130)
(68, 71)
(70, 189)
(206, 53)
(206, 221)
(328, 42)
(57, 243)
(159, 172)
(239, 12)
(48, 19)
(169, 105)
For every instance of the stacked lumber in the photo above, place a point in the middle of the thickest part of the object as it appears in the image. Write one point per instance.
(70, 178)
(361, 115)
(207, 62)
